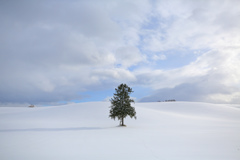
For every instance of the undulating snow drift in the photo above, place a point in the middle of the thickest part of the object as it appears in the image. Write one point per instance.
(83, 131)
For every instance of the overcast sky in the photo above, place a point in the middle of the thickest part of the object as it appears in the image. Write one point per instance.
(76, 51)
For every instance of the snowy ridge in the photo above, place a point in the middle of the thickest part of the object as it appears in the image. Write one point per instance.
(165, 130)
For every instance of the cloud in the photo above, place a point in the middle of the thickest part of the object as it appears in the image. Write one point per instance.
(129, 56)
(193, 25)
(55, 51)
(213, 77)
(159, 57)
(200, 91)
(52, 51)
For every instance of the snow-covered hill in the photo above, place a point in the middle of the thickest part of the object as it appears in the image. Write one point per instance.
(165, 131)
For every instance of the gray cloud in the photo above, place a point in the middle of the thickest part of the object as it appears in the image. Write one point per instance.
(52, 51)
(201, 91)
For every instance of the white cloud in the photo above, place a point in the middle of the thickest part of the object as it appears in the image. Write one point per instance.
(202, 25)
(213, 77)
(159, 57)
(114, 75)
(194, 25)
(129, 56)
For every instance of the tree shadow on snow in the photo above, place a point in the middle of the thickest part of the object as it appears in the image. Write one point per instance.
(50, 129)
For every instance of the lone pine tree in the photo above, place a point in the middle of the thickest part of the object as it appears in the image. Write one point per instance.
(121, 104)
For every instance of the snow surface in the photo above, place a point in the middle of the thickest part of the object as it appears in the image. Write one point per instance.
(164, 131)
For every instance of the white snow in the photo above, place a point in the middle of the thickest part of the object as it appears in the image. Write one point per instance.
(83, 131)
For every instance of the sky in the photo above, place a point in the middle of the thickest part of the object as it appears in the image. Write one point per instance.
(54, 52)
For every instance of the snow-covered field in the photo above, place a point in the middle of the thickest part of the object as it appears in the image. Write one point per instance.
(83, 131)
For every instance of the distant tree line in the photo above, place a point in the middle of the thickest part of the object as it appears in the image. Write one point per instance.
(169, 100)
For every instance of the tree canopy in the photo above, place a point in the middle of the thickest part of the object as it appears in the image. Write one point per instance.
(121, 104)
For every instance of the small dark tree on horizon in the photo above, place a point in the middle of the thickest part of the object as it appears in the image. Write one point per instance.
(121, 104)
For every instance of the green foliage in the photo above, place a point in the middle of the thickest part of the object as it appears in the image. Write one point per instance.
(121, 104)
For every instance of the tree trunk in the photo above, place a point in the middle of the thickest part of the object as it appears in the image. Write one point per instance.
(122, 120)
